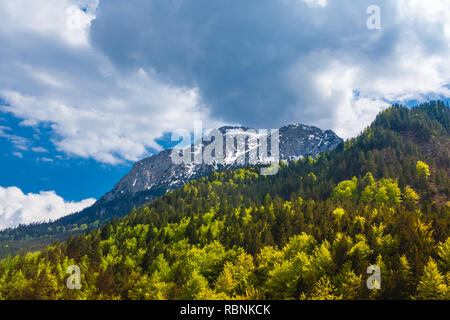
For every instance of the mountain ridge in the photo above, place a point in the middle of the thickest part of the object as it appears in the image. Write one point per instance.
(308, 232)
(295, 142)
(154, 176)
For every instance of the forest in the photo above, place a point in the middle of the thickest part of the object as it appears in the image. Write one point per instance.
(309, 232)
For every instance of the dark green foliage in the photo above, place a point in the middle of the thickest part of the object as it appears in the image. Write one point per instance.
(309, 232)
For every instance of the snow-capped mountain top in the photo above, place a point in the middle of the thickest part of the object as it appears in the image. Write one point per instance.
(159, 171)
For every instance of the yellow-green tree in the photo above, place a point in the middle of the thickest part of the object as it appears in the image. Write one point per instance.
(423, 170)
(432, 285)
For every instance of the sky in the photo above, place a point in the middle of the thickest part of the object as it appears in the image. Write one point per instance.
(87, 87)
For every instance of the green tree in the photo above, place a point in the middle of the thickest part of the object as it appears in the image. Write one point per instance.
(323, 290)
(410, 198)
(346, 190)
(444, 254)
(423, 170)
(432, 285)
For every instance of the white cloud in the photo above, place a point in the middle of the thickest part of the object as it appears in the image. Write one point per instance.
(316, 3)
(111, 126)
(19, 142)
(354, 93)
(60, 19)
(94, 110)
(416, 66)
(19, 208)
(302, 64)
(39, 150)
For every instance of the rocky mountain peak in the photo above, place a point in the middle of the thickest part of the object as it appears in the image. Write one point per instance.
(159, 171)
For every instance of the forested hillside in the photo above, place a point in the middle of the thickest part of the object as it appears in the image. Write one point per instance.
(39, 235)
(309, 232)
(152, 177)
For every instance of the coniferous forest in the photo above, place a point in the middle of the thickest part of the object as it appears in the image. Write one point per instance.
(308, 232)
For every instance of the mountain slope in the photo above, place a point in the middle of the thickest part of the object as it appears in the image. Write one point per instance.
(152, 177)
(309, 232)
(295, 141)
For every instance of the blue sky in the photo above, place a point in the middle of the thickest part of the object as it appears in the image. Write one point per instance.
(33, 163)
(36, 165)
(87, 87)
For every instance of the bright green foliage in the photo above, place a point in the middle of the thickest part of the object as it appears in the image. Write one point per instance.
(432, 285)
(410, 197)
(299, 243)
(324, 290)
(321, 261)
(366, 190)
(266, 260)
(360, 223)
(349, 284)
(345, 190)
(338, 213)
(309, 232)
(423, 170)
(444, 254)
(388, 192)
(194, 285)
(284, 278)
(236, 278)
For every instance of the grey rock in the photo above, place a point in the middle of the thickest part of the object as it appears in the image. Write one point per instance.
(159, 171)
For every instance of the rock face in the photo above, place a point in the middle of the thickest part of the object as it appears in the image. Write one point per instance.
(153, 177)
(160, 172)
(297, 140)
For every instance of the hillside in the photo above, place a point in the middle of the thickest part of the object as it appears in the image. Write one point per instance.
(151, 178)
(309, 232)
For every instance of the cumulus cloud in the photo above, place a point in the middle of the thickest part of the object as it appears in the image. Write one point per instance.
(113, 125)
(95, 110)
(111, 77)
(264, 63)
(19, 208)
(60, 20)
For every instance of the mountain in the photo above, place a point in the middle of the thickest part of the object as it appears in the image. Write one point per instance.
(308, 232)
(296, 141)
(153, 177)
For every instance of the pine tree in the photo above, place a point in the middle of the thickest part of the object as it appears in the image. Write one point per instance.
(432, 285)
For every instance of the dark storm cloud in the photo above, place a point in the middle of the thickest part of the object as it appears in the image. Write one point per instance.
(239, 52)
